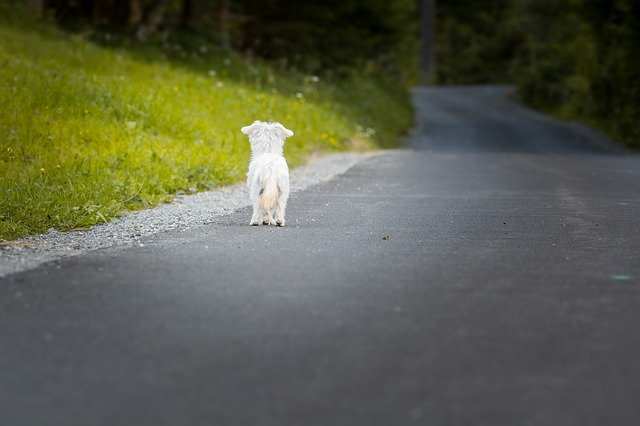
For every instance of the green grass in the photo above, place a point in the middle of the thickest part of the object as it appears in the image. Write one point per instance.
(88, 131)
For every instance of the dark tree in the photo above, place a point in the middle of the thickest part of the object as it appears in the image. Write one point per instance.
(427, 40)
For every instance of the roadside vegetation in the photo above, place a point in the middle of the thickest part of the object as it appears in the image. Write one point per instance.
(576, 59)
(94, 123)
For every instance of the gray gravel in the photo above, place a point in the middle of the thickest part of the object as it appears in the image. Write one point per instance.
(183, 213)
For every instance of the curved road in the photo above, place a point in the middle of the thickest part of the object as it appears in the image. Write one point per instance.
(489, 275)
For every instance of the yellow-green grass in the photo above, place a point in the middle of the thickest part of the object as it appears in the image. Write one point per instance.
(89, 131)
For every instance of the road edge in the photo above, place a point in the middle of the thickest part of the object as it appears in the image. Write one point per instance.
(184, 212)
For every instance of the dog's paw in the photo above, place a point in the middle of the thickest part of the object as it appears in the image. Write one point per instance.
(253, 223)
(265, 222)
(280, 223)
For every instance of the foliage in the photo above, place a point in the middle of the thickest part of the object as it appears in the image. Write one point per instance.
(334, 34)
(88, 131)
(578, 59)
(474, 45)
(314, 36)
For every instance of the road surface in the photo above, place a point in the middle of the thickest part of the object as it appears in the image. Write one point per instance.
(488, 275)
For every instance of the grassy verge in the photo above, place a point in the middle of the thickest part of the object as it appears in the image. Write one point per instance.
(88, 131)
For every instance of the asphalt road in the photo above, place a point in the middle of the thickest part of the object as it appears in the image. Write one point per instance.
(490, 276)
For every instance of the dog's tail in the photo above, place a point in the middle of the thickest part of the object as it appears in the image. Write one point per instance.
(269, 194)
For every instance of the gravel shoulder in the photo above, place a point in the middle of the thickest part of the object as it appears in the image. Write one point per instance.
(184, 212)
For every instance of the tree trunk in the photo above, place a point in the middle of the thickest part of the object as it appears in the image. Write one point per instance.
(186, 16)
(101, 12)
(152, 19)
(427, 41)
(135, 13)
(36, 7)
(222, 15)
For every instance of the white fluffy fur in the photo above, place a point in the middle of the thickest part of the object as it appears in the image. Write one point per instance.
(268, 176)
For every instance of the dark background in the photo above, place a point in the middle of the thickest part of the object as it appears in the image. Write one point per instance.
(577, 59)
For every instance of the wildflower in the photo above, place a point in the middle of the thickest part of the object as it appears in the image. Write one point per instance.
(299, 95)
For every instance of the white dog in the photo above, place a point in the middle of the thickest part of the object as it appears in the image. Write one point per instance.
(268, 176)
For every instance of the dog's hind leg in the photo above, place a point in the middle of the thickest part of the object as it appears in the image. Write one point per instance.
(257, 214)
(283, 197)
(281, 208)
